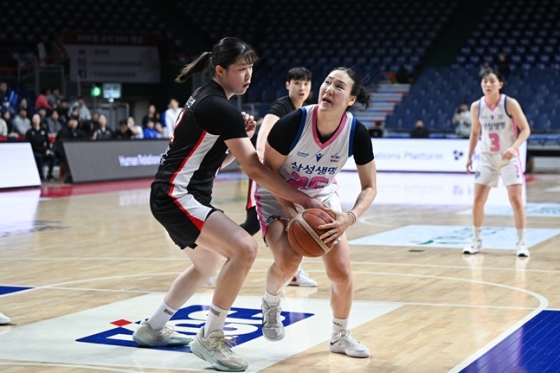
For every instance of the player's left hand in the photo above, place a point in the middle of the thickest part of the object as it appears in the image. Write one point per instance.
(337, 228)
(509, 154)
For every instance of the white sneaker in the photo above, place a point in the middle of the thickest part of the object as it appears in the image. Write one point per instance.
(4, 320)
(215, 350)
(474, 247)
(166, 336)
(522, 250)
(272, 327)
(344, 343)
(301, 278)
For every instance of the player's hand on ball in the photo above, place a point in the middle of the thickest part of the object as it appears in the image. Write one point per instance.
(336, 229)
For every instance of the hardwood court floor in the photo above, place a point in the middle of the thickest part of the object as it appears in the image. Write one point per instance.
(83, 249)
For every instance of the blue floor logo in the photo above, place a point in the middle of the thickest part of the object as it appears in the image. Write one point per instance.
(244, 324)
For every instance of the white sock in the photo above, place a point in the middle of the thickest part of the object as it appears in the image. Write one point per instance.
(161, 316)
(216, 320)
(521, 235)
(339, 325)
(476, 232)
(271, 299)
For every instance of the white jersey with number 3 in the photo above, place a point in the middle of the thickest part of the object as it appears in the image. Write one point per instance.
(498, 129)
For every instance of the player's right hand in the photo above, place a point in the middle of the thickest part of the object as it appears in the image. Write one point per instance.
(469, 166)
(313, 203)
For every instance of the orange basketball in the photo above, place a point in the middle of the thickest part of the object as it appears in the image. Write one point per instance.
(303, 233)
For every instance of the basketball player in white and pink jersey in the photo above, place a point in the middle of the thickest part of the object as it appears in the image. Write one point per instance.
(500, 124)
(308, 147)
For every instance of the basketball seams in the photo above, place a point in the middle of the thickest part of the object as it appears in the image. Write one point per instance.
(300, 246)
(301, 220)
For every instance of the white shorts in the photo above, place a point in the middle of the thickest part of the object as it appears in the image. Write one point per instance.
(491, 166)
(269, 209)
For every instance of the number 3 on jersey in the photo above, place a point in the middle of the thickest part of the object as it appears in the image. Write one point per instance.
(302, 182)
(495, 138)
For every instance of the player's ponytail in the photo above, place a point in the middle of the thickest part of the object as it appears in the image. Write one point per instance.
(195, 67)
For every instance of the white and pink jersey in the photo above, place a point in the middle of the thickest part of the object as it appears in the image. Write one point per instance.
(498, 129)
(311, 166)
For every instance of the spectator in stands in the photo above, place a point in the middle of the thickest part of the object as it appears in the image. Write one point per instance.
(462, 120)
(150, 130)
(7, 117)
(419, 131)
(502, 65)
(41, 102)
(38, 137)
(170, 117)
(95, 120)
(53, 123)
(377, 130)
(160, 130)
(152, 114)
(23, 104)
(122, 132)
(3, 128)
(135, 129)
(54, 97)
(68, 133)
(63, 108)
(87, 128)
(102, 132)
(5, 97)
(43, 114)
(21, 123)
(83, 110)
(499, 128)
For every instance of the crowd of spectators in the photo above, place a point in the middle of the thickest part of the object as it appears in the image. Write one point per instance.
(52, 119)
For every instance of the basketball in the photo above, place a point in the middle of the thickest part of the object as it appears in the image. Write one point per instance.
(303, 233)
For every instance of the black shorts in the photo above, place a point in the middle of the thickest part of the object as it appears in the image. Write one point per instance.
(182, 214)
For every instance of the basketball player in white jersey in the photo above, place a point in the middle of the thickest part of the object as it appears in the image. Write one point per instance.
(308, 147)
(298, 84)
(500, 124)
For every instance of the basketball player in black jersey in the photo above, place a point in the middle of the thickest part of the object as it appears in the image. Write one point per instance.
(208, 133)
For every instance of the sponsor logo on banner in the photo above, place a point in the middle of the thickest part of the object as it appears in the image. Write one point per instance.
(423, 155)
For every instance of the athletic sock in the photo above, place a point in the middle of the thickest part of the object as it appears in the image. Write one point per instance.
(271, 299)
(521, 235)
(339, 325)
(476, 232)
(161, 316)
(216, 319)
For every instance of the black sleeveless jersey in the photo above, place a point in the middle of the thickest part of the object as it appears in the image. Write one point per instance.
(197, 149)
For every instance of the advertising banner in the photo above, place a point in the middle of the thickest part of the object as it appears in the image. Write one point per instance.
(17, 166)
(113, 160)
(424, 155)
